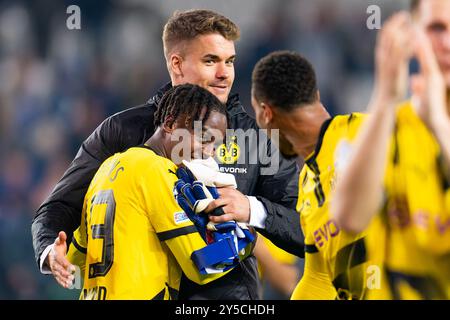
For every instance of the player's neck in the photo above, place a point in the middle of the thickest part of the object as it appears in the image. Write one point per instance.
(156, 143)
(303, 128)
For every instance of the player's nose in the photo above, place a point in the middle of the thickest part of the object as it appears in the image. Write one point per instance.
(222, 71)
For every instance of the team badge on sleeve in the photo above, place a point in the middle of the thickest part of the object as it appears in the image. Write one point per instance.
(180, 217)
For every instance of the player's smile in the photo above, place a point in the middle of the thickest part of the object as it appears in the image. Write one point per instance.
(219, 89)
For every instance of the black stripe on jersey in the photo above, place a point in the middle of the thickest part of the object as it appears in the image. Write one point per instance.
(444, 172)
(350, 256)
(323, 129)
(396, 158)
(160, 295)
(350, 285)
(78, 246)
(311, 248)
(318, 190)
(312, 163)
(305, 179)
(173, 293)
(350, 119)
(167, 235)
(426, 286)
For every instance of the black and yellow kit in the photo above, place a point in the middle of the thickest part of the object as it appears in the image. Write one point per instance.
(336, 261)
(413, 233)
(134, 240)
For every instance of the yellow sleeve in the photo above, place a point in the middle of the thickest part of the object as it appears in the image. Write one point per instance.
(315, 283)
(182, 247)
(170, 222)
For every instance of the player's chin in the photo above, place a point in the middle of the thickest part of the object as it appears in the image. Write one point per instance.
(223, 98)
(220, 93)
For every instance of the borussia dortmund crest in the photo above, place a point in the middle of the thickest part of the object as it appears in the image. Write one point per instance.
(228, 154)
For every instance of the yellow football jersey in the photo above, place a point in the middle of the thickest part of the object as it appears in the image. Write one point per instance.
(415, 216)
(336, 262)
(135, 237)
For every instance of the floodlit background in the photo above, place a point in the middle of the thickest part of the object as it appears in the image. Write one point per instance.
(57, 85)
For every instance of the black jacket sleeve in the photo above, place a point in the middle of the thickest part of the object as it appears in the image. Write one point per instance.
(279, 194)
(276, 188)
(62, 209)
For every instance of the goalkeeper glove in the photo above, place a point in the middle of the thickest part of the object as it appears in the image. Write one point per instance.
(226, 241)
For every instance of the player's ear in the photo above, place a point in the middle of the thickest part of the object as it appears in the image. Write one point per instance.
(175, 65)
(267, 112)
(169, 124)
(318, 95)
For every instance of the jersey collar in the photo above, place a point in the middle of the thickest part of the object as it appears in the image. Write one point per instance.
(311, 159)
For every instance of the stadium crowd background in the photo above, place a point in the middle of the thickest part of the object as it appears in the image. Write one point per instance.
(57, 85)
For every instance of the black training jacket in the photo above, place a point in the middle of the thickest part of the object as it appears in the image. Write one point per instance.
(132, 127)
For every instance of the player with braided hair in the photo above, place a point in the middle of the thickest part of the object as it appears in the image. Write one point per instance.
(187, 100)
(134, 241)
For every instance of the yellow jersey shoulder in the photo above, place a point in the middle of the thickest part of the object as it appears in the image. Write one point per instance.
(326, 245)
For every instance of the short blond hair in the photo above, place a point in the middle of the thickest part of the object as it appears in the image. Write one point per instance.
(187, 25)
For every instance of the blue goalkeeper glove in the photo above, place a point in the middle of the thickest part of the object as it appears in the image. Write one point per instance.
(226, 241)
(193, 197)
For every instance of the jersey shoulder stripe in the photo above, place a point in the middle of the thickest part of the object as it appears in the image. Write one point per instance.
(170, 234)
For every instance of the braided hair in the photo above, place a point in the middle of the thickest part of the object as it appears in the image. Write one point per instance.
(192, 101)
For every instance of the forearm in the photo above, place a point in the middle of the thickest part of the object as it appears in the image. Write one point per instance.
(360, 186)
(279, 195)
